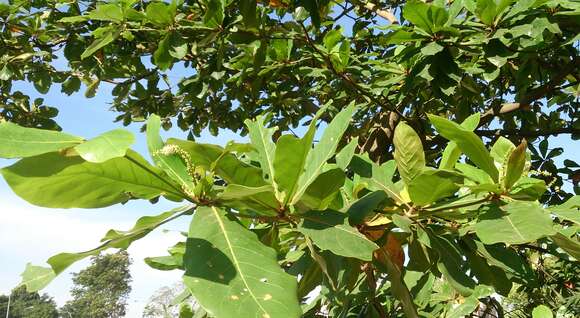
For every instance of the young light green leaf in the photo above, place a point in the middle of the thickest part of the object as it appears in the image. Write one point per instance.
(501, 149)
(409, 153)
(56, 181)
(20, 142)
(428, 17)
(514, 166)
(230, 273)
(330, 231)
(468, 142)
(323, 150)
(542, 311)
(289, 160)
(452, 152)
(111, 144)
(36, 278)
(517, 222)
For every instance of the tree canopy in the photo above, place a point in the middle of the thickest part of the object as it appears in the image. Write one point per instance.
(26, 305)
(435, 184)
(101, 290)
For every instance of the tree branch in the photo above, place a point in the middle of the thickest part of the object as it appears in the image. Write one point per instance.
(385, 14)
(523, 133)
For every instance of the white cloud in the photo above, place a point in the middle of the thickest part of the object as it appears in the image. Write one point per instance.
(32, 234)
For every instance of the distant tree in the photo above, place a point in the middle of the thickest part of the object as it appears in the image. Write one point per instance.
(101, 290)
(161, 303)
(28, 305)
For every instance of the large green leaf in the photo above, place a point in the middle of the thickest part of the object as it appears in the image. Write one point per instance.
(230, 273)
(19, 142)
(107, 35)
(290, 158)
(409, 153)
(488, 10)
(468, 142)
(168, 158)
(111, 144)
(323, 151)
(258, 200)
(514, 223)
(57, 181)
(330, 231)
(344, 156)
(452, 152)
(508, 260)
(364, 207)
(432, 185)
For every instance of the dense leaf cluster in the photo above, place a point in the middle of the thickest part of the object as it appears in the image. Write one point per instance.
(295, 228)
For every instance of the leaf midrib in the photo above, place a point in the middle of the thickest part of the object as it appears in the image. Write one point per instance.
(235, 259)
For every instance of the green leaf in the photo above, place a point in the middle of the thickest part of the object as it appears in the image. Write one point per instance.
(160, 14)
(289, 160)
(169, 158)
(508, 260)
(163, 263)
(542, 311)
(514, 167)
(470, 304)
(501, 149)
(452, 152)
(214, 13)
(431, 49)
(517, 222)
(108, 35)
(432, 185)
(162, 56)
(344, 156)
(409, 153)
(261, 138)
(323, 150)
(570, 245)
(19, 142)
(56, 181)
(111, 144)
(468, 142)
(107, 12)
(259, 200)
(430, 18)
(569, 210)
(364, 207)
(324, 189)
(248, 11)
(36, 278)
(488, 10)
(450, 264)
(330, 231)
(230, 273)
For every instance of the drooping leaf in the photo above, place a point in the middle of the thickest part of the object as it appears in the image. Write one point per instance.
(323, 150)
(20, 142)
(56, 181)
(364, 207)
(330, 231)
(450, 263)
(468, 142)
(230, 273)
(514, 223)
(409, 153)
(111, 144)
(508, 260)
(36, 278)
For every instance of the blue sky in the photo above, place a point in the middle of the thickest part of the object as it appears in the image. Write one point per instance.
(33, 234)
